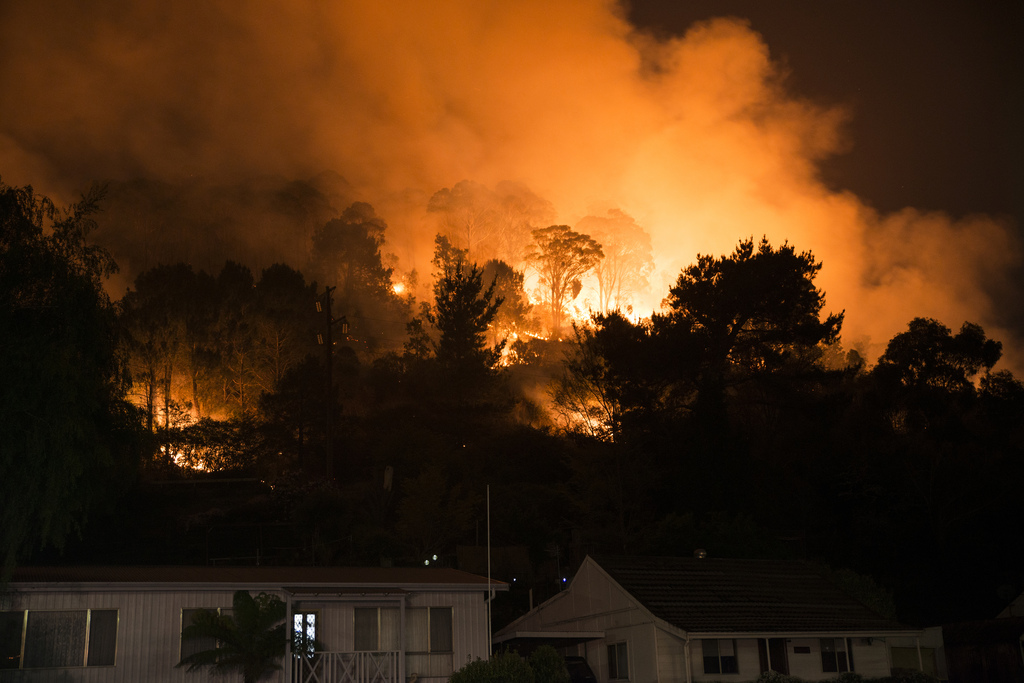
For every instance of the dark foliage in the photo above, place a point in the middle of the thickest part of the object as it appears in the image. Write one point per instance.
(68, 437)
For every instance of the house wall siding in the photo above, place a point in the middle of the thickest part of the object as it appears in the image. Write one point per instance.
(148, 634)
(671, 658)
(870, 661)
(149, 629)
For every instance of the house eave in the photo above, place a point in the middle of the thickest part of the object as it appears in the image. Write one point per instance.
(295, 589)
(555, 638)
(837, 633)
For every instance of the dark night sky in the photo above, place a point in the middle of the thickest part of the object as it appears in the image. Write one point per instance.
(936, 90)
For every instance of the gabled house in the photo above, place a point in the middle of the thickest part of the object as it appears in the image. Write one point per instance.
(675, 620)
(377, 625)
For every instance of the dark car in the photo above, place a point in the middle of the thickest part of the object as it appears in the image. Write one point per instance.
(579, 670)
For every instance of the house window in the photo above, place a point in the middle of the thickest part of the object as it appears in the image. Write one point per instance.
(12, 626)
(377, 629)
(57, 638)
(304, 627)
(102, 637)
(428, 641)
(190, 646)
(835, 655)
(720, 656)
(618, 662)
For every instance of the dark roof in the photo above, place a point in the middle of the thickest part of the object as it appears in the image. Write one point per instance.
(742, 596)
(299, 577)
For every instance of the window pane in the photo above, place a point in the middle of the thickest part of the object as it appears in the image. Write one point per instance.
(440, 629)
(10, 639)
(612, 670)
(366, 629)
(828, 655)
(55, 639)
(390, 629)
(304, 627)
(711, 661)
(416, 639)
(190, 646)
(102, 637)
(727, 656)
(620, 670)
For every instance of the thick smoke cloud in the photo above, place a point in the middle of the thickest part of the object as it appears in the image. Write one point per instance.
(696, 137)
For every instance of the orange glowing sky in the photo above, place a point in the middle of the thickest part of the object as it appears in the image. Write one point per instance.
(698, 133)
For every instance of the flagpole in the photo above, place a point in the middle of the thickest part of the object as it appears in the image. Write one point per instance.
(490, 590)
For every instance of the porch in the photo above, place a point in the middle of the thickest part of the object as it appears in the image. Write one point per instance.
(347, 667)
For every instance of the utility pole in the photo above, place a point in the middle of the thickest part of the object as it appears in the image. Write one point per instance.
(323, 305)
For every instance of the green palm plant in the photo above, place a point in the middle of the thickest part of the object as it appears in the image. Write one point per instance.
(251, 640)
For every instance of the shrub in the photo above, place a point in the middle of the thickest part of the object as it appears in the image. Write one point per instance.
(548, 666)
(776, 677)
(909, 676)
(502, 667)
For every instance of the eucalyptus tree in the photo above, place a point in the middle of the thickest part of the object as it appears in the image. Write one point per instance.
(561, 256)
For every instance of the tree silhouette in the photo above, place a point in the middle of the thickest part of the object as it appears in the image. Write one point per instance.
(561, 257)
(68, 437)
(627, 258)
(749, 313)
(466, 215)
(250, 640)
(463, 310)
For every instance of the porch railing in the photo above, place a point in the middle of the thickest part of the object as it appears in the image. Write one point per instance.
(346, 667)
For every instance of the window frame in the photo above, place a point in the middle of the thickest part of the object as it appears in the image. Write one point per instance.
(834, 652)
(87, 638)
(424, 654)
(381, 634)
(719, 658)
(431, 645)
(316, 625)
(618, 654)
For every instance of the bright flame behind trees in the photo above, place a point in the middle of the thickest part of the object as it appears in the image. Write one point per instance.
(562, 257)
(698, 136)
(622, 273)
(732, 321)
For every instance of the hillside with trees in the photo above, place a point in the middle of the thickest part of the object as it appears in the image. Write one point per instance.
(198, 420)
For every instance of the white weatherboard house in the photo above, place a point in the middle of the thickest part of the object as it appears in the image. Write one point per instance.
(379, 625)
(676, 620)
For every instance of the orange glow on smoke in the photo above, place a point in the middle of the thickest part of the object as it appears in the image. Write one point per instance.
(697, 137)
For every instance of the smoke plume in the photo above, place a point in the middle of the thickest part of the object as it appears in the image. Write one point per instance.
(697, 137)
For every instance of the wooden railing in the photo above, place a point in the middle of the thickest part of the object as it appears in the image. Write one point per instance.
(346, 667)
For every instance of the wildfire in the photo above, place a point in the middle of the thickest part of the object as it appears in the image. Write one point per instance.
(183, 461)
